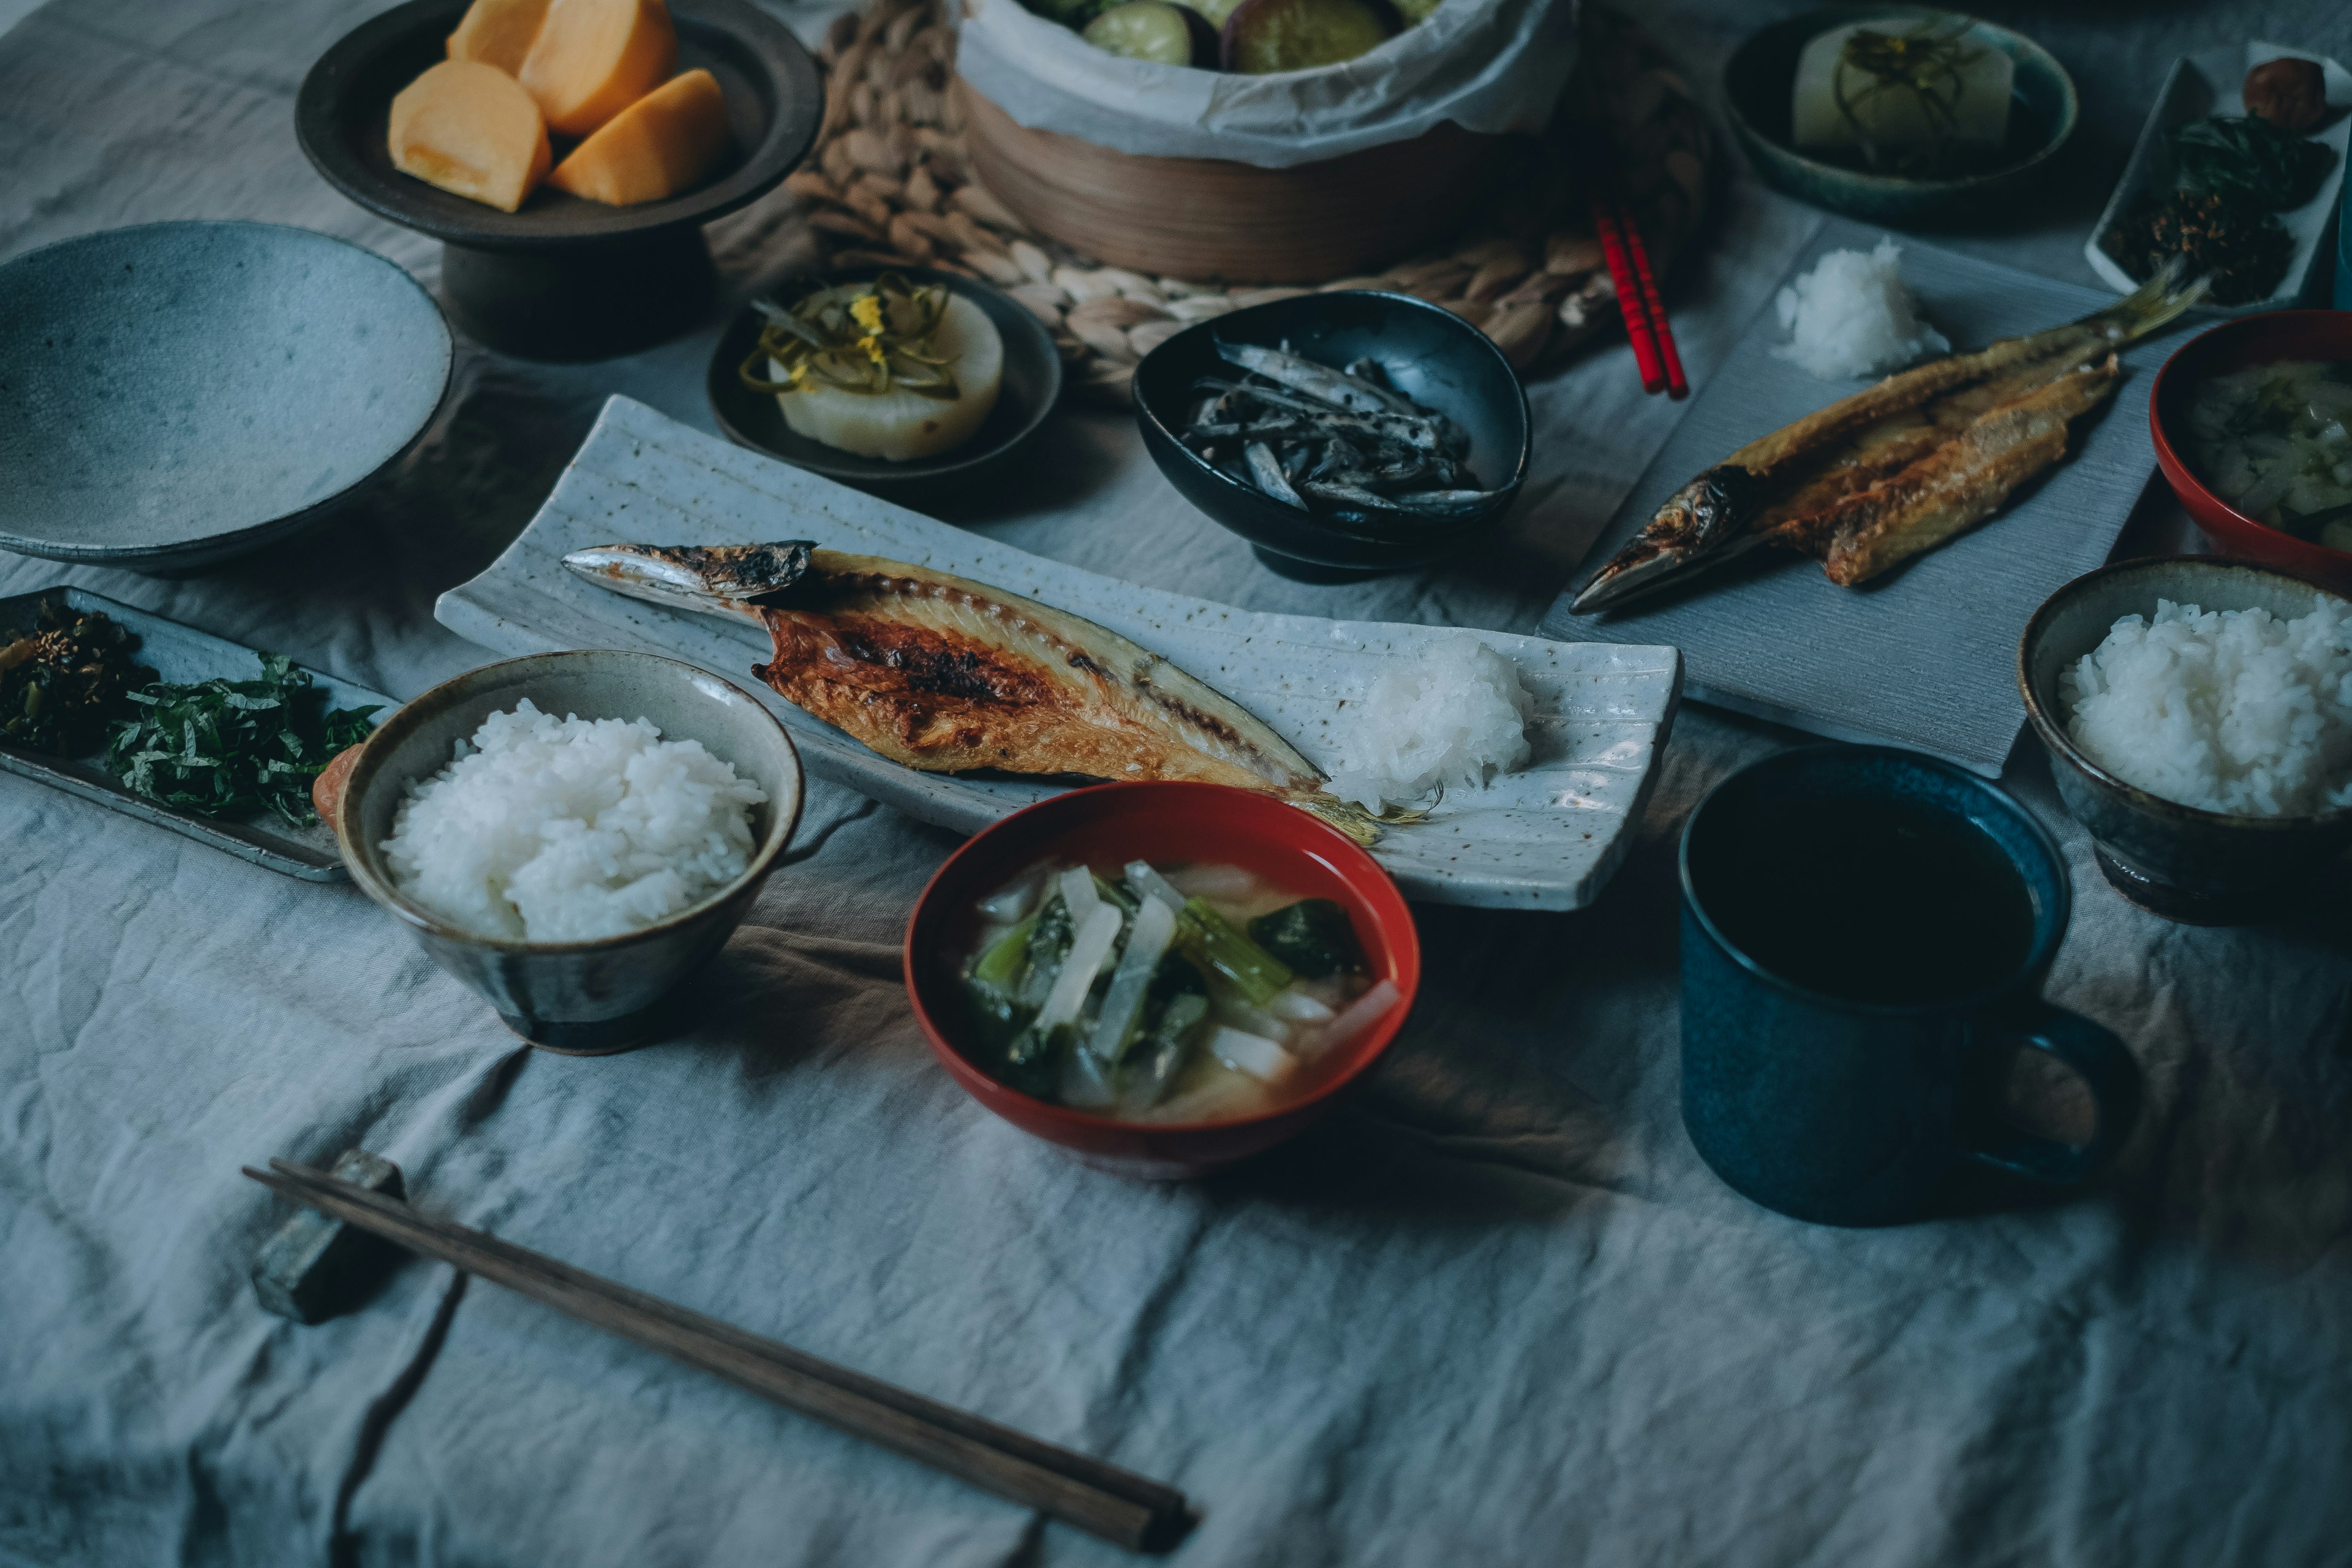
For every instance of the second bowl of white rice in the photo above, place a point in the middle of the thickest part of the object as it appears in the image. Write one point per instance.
(2198, 713)
(573, 834)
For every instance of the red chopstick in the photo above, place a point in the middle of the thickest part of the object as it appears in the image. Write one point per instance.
(1677, 383)
(1633, 303)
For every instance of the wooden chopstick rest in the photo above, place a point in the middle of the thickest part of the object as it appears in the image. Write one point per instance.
(1117, 1505)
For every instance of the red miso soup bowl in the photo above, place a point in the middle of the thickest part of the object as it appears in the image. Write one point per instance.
(1161, 823)
(2237, 345)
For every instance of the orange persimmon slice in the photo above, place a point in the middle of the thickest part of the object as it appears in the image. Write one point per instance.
(593, 59)
(471, 130)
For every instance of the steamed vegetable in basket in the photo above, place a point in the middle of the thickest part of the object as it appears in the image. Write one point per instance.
(1188, 994)
(1247, 37)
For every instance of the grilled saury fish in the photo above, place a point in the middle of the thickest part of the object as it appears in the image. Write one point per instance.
(1898, 469)
(947, 675)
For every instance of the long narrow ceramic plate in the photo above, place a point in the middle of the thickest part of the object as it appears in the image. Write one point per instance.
(186, 655)
(1924, 656)
(2214, 82)
(1545, 839)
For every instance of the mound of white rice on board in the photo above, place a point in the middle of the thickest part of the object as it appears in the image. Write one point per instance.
(1852, 315)
(553, 829)
(1455, 715)
(2228, 710)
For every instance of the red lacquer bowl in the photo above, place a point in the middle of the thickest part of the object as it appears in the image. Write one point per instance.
(2238, 345)
(1161, 823)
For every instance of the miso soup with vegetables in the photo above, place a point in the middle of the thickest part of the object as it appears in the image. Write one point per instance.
(1169, 993)
(2275, 442)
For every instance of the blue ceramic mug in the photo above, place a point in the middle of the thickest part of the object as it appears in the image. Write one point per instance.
(1864, 936)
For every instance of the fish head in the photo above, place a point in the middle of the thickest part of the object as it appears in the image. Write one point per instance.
(1696, 524)
(720, 579)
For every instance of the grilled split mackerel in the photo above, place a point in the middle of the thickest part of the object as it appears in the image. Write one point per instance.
(946, 675)
(1887, 473)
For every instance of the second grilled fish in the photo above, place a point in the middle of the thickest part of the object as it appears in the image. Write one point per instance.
(1899, 468)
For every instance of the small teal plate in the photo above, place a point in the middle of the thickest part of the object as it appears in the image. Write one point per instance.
(184, 655)
(1762, 73)
(176, 394)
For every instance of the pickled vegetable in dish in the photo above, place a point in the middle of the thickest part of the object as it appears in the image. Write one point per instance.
(65, 679)
(882, 369)
(2275, 442)
(1921, 98)
(1164, 994)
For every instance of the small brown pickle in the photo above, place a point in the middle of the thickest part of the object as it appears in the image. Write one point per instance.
(2291, 94)
(64, 681)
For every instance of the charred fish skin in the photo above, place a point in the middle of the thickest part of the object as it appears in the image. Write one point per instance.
(706, 578)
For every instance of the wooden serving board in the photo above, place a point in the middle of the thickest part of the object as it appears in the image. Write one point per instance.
(1546, 839)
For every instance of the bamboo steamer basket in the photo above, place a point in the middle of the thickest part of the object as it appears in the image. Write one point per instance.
(1215, 219)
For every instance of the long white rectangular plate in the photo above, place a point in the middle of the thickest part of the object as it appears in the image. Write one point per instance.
(1546, 839)
(2214, 82)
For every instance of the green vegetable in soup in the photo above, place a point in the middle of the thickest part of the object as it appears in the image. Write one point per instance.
(1174, 1012)
(1221, 948)
(228, 747)
(1313, 936)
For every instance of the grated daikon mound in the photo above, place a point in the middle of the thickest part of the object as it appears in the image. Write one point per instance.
(1455, 715)
(1852, 315)
(547, 829)
(2229, 710)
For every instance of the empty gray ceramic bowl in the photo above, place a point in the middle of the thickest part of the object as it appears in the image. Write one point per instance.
(177, 393)
(2182, 863)
(582, 999)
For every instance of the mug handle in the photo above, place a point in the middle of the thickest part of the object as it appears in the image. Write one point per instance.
(2104, 1065)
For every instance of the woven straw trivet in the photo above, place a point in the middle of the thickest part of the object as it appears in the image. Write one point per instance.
(889, 184)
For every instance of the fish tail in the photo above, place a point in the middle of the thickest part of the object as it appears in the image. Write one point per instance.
(1359, 825)
(2149, 308)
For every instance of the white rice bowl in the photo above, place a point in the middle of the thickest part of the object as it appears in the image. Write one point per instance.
(547, 829)
(1854, 315)
(1456, 714)
(2231, 711)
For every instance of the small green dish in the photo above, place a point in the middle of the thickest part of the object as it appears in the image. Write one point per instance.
(1762, 72)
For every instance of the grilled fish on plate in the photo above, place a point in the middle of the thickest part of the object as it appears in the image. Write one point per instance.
(947, 675)
(1899, 468)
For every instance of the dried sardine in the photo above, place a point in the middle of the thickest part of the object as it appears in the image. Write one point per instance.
(947, 675)
(1898, 468)
(1340, 442)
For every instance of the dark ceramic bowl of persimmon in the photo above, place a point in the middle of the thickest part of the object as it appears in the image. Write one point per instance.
(562, 277)
(1191, 829)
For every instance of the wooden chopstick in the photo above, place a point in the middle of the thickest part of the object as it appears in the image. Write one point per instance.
(1653, 307)
(1117, 1505)
(1630, 302)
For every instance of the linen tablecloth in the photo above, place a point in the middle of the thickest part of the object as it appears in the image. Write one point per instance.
(1494, 1311)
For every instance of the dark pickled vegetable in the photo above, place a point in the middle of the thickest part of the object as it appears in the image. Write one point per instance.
(2244, 250)
(65, 681)
(1156, 31)
(1263, 36)
(1313, 936)
(2249, 160)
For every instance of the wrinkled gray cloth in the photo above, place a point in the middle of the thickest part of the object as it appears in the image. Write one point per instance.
(1494, 1311)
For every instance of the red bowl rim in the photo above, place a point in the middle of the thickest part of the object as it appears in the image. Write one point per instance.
(2177, 471)
(1405, 954)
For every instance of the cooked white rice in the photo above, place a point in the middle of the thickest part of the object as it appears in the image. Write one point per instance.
(2229, 710)
(1455, 715)
(553, 829)
(1852, 315)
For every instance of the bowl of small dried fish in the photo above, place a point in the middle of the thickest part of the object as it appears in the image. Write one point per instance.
(1341, 434)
